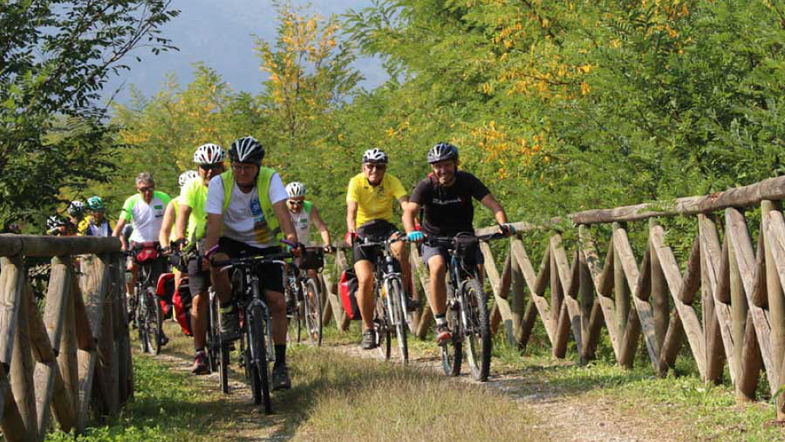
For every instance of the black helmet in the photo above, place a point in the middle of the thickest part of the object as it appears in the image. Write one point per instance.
(442, 151)
(246, 150)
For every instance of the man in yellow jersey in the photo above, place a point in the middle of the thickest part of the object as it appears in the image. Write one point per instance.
(191, 222)
(246, 216)
(369, 213)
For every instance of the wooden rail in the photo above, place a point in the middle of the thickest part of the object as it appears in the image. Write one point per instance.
(724, 302)
(69, 353)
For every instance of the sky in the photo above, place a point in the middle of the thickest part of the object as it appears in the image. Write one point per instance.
(220, 33)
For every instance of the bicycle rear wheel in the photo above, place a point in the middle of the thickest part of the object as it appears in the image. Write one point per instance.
(294, 314)
(257, 361)
(452, 350)
(478, 328)
(396, 314)
(312, 304)
(154, 322)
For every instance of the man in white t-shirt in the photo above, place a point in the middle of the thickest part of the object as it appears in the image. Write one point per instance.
(246, 214)
(145, 211)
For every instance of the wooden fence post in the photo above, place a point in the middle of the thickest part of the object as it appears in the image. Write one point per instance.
(776, 299)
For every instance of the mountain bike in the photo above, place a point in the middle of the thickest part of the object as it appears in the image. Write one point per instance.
(467, 306)
(256, 340)
(390, 310)
(304, 297)
(148, 315)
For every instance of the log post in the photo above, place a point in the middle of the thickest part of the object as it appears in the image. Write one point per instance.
(659, 296)
(517, 302)
(587, 302)
(11, 287)
(776, 302)
(739, 318)
(12, 423)
(621, 291)
(22, 370)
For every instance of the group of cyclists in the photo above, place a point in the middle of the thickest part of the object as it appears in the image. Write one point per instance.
(245, 210)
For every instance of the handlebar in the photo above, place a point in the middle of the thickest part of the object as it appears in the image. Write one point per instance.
(258, 259)
(450, 240)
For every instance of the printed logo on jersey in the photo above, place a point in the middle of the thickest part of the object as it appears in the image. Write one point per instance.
(260, 227)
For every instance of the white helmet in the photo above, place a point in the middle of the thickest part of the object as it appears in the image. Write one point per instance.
(209, 153)
(375, 155)
(186, 176)
(295, 189)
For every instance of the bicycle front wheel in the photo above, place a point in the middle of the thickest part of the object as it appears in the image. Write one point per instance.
(382, 323)
(294, 314)
(312, 304)
(476, 323)
(258, 369)
(396, 301)
(452, 350)
(154, 322)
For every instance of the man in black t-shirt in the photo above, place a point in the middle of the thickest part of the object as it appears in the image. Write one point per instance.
(446, 197)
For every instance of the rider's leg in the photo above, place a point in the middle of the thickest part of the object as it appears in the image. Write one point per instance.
(401, 252)
(220, 280)
(133, 268)
(199, 314)
(277, 304)
(438, 288)
(365, 301)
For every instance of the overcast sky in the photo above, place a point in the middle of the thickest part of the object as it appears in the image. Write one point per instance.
(220, 34)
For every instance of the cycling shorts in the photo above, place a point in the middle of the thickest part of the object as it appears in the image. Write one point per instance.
(270, 276)
(376, 230)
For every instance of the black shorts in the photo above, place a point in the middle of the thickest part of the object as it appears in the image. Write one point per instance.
(198, 279)
(428, 251)
(375, 230)
(270, 275)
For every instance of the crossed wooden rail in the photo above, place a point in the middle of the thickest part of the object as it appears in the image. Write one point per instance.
(70, 352)
(575, 293)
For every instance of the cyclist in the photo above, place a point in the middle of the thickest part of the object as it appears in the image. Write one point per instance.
(191, 221)
(145, 211)
(167, 233)
(75, 210)
(303, 213)
(369, 213)
(96, 223)
(446, 197)
(246, 213)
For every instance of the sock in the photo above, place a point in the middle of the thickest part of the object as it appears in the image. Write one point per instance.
(441, 319)
(227, 308)
(280, 354)
(199, 350)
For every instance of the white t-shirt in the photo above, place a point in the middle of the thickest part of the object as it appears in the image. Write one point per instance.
(302, 225)
(146, 218)
(244, 220)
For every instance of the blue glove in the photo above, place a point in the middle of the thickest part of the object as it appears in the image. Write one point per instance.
(415, 236)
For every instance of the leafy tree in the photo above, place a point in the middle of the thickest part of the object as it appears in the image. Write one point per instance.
(55, 59)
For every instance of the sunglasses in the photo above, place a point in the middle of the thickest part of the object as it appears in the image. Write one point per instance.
(296, 202)
(376, 166)
(207, 167)
(146, 189)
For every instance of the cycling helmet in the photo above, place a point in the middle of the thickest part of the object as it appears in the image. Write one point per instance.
(76, 208)
(295, 189)
(186, 176)
(95, 203)
(246, 150)
(55, 221)
(209, 153)
(375, 155)
(442, 151)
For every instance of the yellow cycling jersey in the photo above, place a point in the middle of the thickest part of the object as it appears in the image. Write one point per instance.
(374, 202)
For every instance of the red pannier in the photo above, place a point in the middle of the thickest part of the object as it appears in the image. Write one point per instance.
(348, 291)
(179, 301)
(148, 253)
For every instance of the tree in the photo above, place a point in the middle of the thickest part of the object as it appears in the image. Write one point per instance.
(55, 58)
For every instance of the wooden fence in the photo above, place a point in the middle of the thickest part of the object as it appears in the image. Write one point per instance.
(726, 306)
(67, 354)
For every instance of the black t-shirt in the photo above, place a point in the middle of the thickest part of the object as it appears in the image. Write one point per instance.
(448, 210)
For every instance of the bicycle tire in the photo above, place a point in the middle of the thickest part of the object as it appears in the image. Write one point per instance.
(452, 350)
(294, 317)
(141, 330)
(382, 323)
(155, 322)
(396, 311)
(212, 332)
(312, 302)
(478, 329)
(257, 360)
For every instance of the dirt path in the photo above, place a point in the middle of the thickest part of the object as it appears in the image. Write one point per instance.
(564, 415)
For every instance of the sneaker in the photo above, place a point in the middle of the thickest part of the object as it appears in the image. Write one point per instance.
(200, 363)
(164, 339)
(412, 304)
(369, 339)
(230, 324)
(443, 334)
(281, 379)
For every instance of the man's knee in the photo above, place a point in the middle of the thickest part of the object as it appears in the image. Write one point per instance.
(276, 302)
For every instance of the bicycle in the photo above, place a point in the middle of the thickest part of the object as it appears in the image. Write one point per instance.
(256, 326)
(304, 296)
(467, 307)
(147, 314)
(390, 311)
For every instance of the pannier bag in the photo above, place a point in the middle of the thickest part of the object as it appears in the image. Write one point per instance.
(348, 291)
(165, 289)
(182, 306)
(311, 259)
